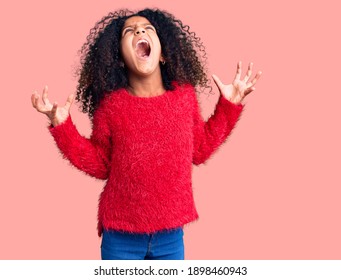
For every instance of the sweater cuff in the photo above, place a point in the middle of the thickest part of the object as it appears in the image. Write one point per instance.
(65, 126)
(229, 106)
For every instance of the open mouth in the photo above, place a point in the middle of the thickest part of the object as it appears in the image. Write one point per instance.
(142, 48)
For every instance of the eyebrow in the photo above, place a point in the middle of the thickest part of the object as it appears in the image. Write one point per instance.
(144, 24)
(131, 26)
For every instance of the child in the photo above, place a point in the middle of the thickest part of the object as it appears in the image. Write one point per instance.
(137, 82)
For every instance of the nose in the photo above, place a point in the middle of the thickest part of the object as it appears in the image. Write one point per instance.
(139, 30)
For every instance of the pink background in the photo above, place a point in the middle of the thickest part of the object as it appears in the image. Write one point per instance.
(271, 192)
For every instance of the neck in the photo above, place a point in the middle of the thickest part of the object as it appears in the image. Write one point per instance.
(146, 86)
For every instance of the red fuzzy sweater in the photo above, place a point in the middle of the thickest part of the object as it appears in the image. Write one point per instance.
(144, 148)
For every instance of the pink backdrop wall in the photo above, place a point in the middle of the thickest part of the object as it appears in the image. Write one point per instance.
(271, 192)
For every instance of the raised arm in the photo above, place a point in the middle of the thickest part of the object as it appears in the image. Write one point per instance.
(208, 136)
(91, 155)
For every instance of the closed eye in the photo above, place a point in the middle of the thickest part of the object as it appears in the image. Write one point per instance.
(126, 30)
(150, 27)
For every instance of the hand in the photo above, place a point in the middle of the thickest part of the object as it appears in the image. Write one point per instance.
(237, 91)
(56, 114)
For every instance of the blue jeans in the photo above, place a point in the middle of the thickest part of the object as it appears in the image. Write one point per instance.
(161, 245)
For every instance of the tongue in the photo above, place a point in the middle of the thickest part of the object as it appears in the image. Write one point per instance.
(142, 50)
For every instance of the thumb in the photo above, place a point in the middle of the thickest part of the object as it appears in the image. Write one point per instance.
(69, 101)
(218, 82)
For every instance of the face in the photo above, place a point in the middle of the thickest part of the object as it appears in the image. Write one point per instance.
(140, 47)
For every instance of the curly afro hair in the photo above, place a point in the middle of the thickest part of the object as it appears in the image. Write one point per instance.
(102, 70)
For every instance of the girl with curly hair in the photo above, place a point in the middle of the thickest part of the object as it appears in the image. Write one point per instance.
(138, 80)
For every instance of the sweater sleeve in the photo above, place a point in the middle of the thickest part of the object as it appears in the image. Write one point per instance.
(90, 155)
(208, 136)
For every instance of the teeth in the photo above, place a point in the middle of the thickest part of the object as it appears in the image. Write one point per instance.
(142, 41)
